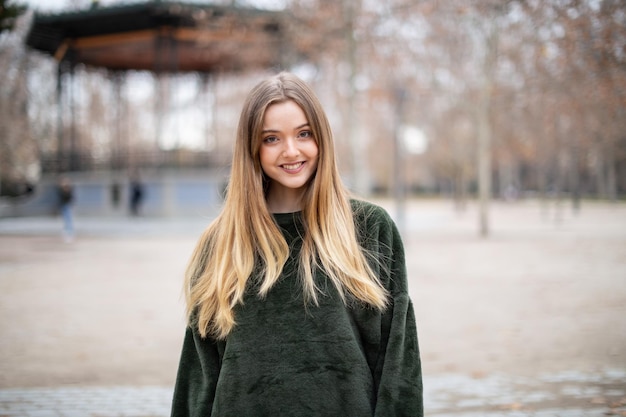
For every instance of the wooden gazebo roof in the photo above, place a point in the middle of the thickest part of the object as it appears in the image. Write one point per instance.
(164, 36)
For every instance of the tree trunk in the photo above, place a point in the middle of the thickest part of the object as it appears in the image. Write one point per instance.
(359, 166)
(574, 174)
(611, 175)
(398, 163)
(601, 186)
(484, 163)
(485, 132)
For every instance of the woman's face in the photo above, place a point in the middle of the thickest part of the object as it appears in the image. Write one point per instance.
(289, 152)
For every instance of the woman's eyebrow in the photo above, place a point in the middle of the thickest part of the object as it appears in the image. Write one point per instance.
(278, 131)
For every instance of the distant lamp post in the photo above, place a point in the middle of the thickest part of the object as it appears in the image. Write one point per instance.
(413, 141)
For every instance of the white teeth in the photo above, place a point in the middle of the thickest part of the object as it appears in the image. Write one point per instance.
(292, 166)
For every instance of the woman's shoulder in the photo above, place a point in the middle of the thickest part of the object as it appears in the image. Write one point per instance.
(369, 213)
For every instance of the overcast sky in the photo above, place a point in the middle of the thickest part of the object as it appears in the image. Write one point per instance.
(53, 5)
(59, 5)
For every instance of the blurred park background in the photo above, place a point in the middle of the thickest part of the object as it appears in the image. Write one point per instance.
(460, 99)
(492, 130)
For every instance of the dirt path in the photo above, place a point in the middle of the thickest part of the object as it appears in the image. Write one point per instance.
(536, 297)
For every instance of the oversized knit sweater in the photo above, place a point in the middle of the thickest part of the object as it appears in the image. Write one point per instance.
(287, 358)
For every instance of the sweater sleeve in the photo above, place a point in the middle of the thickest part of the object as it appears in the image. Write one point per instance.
(398, 372)
(197, 376)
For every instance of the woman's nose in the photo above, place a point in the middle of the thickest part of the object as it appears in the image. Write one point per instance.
(291, 147)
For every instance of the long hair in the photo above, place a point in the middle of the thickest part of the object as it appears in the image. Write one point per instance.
(244, 238)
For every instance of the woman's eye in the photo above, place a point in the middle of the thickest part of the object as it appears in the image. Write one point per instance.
(305, 134)
(270, 139)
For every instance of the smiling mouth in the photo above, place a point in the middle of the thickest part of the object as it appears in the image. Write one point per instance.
(292, 167)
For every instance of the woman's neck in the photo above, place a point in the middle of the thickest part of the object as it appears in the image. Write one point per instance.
(284, 202)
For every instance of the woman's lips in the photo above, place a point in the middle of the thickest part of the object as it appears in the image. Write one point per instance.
(293, 168)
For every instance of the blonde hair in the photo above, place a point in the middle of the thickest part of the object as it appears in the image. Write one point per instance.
(244, 238)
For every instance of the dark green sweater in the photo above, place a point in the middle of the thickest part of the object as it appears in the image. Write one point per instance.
(287, 359)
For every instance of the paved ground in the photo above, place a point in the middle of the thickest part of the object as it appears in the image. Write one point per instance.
(530, 322)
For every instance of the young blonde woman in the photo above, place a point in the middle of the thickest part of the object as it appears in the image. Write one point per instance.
(296, 294)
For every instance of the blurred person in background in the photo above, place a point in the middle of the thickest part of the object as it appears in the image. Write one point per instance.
(65, 191)
(296, 294)
(136, 194)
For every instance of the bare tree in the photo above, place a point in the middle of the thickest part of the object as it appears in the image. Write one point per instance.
(19, 159)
